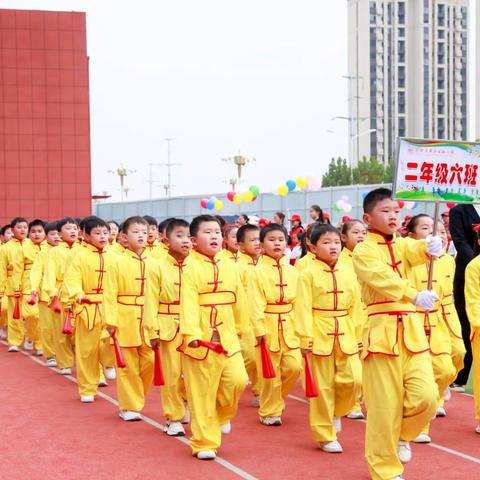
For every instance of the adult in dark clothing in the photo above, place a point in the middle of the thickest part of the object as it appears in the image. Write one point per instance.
(463, 218)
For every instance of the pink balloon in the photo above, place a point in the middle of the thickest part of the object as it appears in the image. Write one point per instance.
(203, 202)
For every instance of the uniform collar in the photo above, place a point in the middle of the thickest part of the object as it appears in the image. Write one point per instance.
(271, 261)
(326, 267)
(380, 237)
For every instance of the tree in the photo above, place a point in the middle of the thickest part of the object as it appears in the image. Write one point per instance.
(339, 173)
(389, 171)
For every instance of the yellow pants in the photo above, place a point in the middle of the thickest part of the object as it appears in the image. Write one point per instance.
(30, 316)
(45, 326)
(273, 391)
(401, 398)
(247, 342)
(134, 381)
(173, 392)
(338, 378)
(62, 343)
(476, 371)
(458, 352)
(4, 312)
(16, 328)
(214, 387)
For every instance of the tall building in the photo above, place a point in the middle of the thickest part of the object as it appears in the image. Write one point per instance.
(44, 115)
(407, 73)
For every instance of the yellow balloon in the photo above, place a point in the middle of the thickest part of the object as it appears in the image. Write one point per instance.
(237, 199)
(248, 196)
(282, 190)
(301, 182)
(218, 205)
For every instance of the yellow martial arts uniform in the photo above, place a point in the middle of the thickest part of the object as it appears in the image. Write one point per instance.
(472, 303)
(123, 301)
(449, 313)
(59, 258)
(272, 295)
(84, 279)
(398, 382)
(304, 261)
(3, 297)
(212, 308)
(156, 249)
(227, 254)
(162, 319)
(45, 314)
(328, 310)
(116, 248)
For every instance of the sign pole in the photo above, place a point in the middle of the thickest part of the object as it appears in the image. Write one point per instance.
(430, 263)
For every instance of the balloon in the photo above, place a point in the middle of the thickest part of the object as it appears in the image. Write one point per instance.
(336, 208)
(340, 204)
(248, 196)
(283, 190)
(218, 205)
(409, 205)
(291, 185)
(401, 204)
(301, 182)
(214, 199)
(230, 196)
(255, 190)
(347, 208)
(254, 198)
(364, 194)
(344, 198)
(237, 199)
(210, 204)
(415, 205)
(203, 202)
(450, 205)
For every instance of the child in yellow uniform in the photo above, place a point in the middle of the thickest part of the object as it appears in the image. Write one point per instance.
(45, 313)
(230, 250)
(398, 383)
(438, 335)
(58, 260)
(328, 310)
(472, 301)
(272, 295)
(155, 246)
(123, 304)
(249, 256)
(113, 230)
(213, 309)
(353, 233)
(307, 247)
(83, 284)
(162, 317)
(5, 235)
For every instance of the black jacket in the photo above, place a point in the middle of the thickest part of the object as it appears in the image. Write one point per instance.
(462, 219)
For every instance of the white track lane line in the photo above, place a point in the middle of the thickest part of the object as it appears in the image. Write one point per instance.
(229, 466)
(433, 445)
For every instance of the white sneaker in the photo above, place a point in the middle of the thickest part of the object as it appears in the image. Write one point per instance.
(337, 424)
(423, 438)
(38, 353)
(110, 373)
(206, 455)
(477, 429)
(3, 334)
(456, 387)
(129, 416)
(174, 429)
(226, 428)
(28, 345)
(398, 478)
(186, 419)
(441, 412)
(271, 421)
(51, 362)
(65, 371)
(330, 447)
(447, 394)
(356, 415)
(404, 451)
(103, 383)
(13, 348)
(256, 401)
(87, 398)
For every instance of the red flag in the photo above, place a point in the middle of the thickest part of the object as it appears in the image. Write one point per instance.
(67, 328)
(16, 310)
(157, 369)
(33, 299)
(311, 389)
(118, 353)
(267, 366)
(216, 347)
(57, 307)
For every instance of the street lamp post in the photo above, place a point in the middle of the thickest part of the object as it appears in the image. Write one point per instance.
(122, 172)
(239, 161)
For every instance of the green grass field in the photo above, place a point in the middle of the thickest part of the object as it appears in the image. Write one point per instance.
(434, 197)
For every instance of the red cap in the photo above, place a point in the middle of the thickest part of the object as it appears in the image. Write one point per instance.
(263, 222)
(326, 215)
(345, 218)
(446, 214)
(407, 218)
(296, 218)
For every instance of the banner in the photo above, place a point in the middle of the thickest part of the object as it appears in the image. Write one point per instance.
(437, 171)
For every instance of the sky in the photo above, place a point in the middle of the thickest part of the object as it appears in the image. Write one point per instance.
(259, 77)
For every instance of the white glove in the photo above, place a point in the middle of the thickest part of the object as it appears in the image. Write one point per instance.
(434, 245)
(426, 300)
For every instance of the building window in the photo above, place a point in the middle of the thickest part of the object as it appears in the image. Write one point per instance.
(441, 34)
(401, 32)
(441, 84)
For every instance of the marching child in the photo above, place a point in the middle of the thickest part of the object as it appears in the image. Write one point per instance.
(328, 310)
(230, 250)
(162, 318)
(308, 253)
(5, 235)
(155, 247)
(272, 295)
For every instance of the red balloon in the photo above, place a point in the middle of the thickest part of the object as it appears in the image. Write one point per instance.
(230, 196)
(203, 202)
(401, 203)
(254, 198)
(450, 205)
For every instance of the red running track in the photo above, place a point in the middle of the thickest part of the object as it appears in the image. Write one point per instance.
(48, 434)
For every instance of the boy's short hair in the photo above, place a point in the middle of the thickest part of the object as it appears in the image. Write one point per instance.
(18, 220)
(50, 227)
(61, 223)
(4, 229)
(131, 220)
(375, 196)
(85, 220)
(273, 227)
(242, 231)
(36, 223)
(150, 220)
(321, 229)
(197, 221)
(162, 226)
(92, 222)
(175, 223)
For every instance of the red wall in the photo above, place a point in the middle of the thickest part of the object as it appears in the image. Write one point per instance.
(44, 115)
